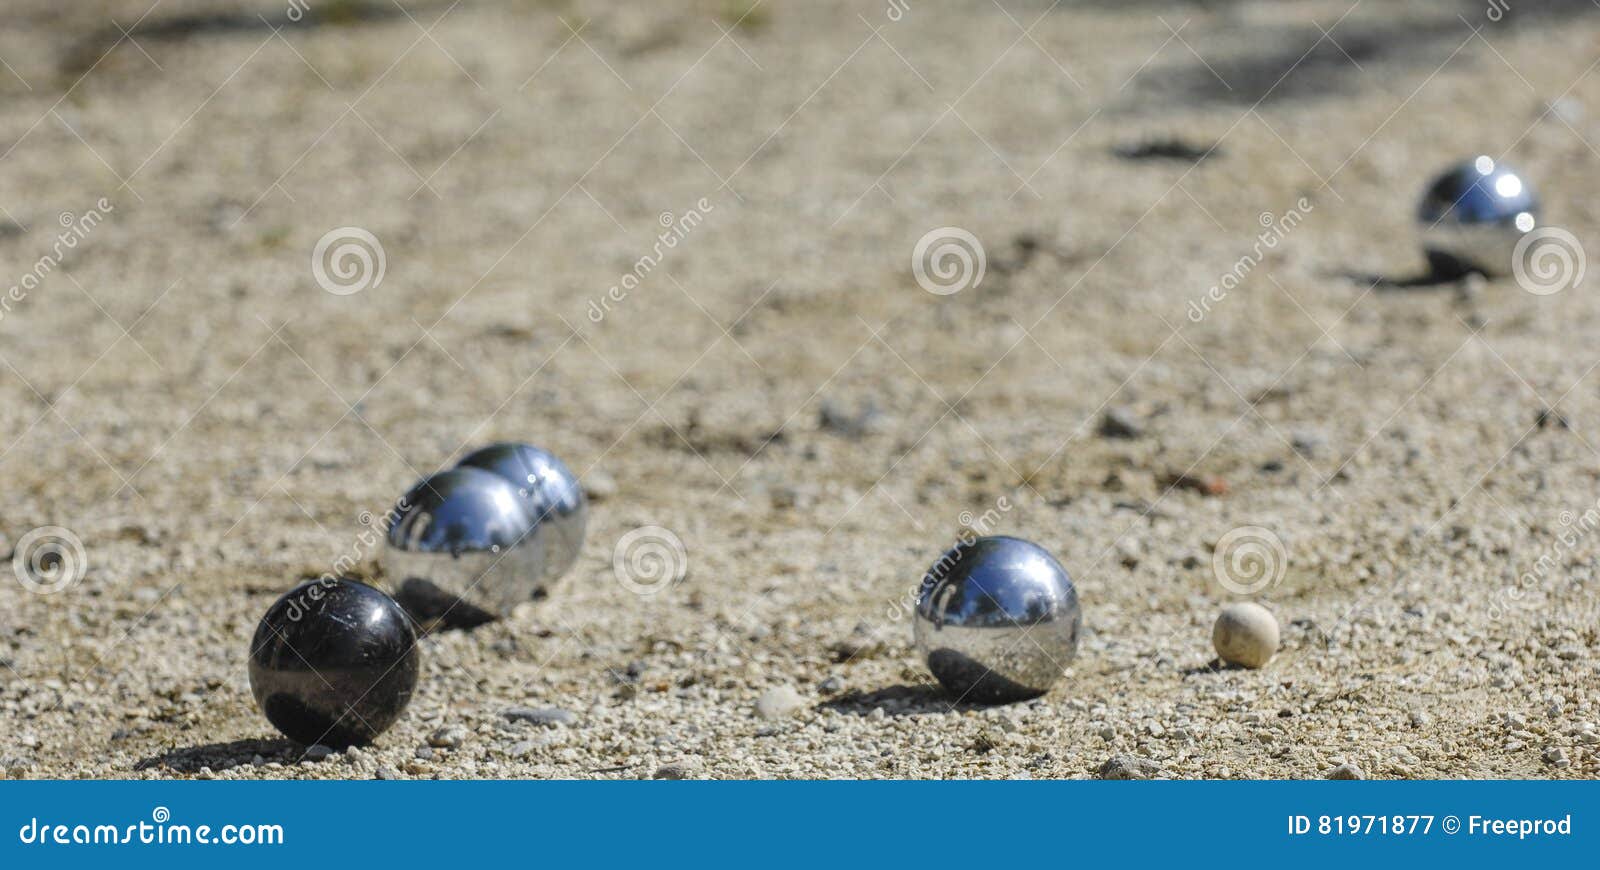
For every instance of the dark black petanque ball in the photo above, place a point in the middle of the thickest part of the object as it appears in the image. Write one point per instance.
(334, 662)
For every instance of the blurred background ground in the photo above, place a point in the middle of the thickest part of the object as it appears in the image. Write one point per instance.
(779, 392)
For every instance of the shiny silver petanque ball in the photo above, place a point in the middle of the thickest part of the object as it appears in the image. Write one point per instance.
(997, 620)
(1472, 217)
(462, 546)
(553, 495)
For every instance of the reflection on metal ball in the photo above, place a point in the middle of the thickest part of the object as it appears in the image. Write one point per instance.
(997, 620)
(1472, 216)
(553, 495)
(462, 540)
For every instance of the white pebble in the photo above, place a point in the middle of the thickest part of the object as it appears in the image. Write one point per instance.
(1245, 634)
(778, 702)
(447, 738)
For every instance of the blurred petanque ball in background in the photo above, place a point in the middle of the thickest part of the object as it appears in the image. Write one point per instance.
(333, 662)
(462, 544)
(552, 493)
(1472, 216)
(997, 620)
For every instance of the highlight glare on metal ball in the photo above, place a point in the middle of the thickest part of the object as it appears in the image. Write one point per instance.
(554, 497)
(463, 539)
(1472, 217)
(997, 620)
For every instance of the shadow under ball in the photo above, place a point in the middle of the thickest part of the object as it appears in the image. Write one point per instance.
(333, 662)
(1472, 216)
(997, 620)
(463, 543)
(553, 495)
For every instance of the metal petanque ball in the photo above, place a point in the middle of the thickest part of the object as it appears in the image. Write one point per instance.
(554, 497)
(997, 620)
(463, 545)
(1472, 217)
(333, 662)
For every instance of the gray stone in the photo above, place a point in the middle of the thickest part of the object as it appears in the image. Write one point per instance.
(548, 716)
(1120, 423)
(1346, 771)
(447, 738)
(1127, 767)
(688, 768)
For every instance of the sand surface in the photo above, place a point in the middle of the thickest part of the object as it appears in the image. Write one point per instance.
(779, 392)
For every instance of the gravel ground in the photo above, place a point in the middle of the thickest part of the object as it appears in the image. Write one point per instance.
(180, 395)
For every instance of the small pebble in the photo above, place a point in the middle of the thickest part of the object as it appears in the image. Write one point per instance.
(317, 752)
(1307, 442)
(448, 737)
(1205, 484)
(864, 420)
(1346, 771)
(1556, 757)
(778, 702)
(1245, 634)
(550, 716)
(599, 486)
(831, 686)
(1127, 767)
(1120, 423)
(686, 769)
